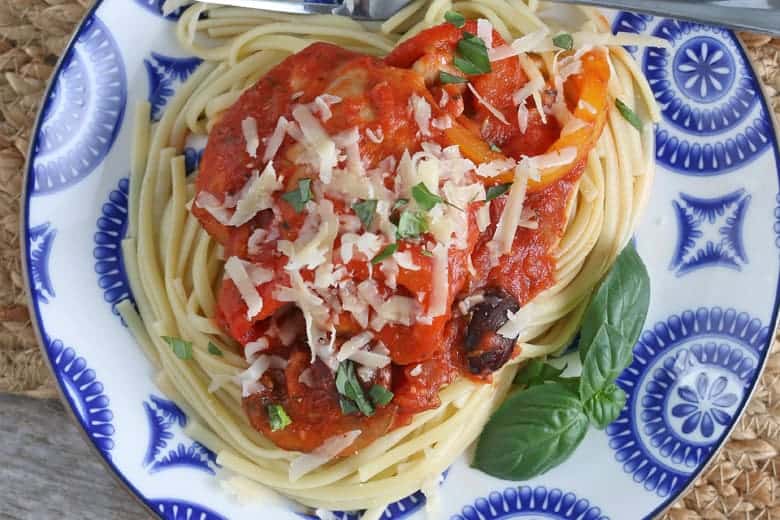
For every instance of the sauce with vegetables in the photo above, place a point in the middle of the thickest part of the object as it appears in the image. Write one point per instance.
(349, 195)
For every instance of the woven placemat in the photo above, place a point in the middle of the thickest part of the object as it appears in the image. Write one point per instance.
(742, 482)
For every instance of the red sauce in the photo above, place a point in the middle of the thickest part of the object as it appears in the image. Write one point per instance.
(375, 93)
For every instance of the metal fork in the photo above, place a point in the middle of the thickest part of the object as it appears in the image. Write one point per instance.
(752, 15)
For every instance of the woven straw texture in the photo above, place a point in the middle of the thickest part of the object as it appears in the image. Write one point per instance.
(742, 483)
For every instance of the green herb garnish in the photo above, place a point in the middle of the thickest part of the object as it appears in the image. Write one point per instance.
(278, 417)
(496, 191)
(385, 253)
(412, 224)
(425, 252)
(214, 350)
(564, 41)
(539, 427)
(424, 198)
(349, 388)
(400, 203)
(380, 395)
(365, 210)
(472, 55)
(495, 148)
(628, 114)
(445, 78)
(182, 348)
(299, 196)
(455, 18)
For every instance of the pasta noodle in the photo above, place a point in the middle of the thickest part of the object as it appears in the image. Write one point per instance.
(175, 267)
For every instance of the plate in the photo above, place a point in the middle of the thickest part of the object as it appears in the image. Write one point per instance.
(709, 237)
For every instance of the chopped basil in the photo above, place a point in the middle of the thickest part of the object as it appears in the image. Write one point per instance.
(495, 148)
(386, 252)
(278, 417)
(497, 191)
(628, 114)
(446, 78)
(182, 348)
(347, 406)
(349, 388)
(214, 350)
(425, 252)
(455, 18)
(472, 55)
(365, 210)
(399, 204)
(299, 196)
(380, 395)
(564, 41)
(423, 196)
(412, 224)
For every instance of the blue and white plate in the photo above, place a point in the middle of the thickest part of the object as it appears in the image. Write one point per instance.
(710, 238)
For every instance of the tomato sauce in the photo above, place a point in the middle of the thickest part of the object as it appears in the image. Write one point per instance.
(375, 96)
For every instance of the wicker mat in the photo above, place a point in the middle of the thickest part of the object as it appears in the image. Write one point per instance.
(741, 484)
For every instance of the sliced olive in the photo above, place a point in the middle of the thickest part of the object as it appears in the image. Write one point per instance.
(486, 350)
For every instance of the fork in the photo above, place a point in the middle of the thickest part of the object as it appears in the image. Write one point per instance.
(752, 15)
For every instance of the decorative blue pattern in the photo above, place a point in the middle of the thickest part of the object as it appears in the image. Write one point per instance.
(109, 262)
(83, 111)
(710, 232)
(169, 509)
(155, 6)
(688, 379)
(39, 248)
(539, 502)
(86, 394)
(164, 419)
(712, 119)
(165, 74)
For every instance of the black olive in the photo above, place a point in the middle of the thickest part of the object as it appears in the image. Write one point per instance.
(487, 351)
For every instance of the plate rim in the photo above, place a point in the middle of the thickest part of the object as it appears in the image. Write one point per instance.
(119, 477)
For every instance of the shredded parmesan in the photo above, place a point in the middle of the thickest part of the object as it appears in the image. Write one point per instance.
(422, 113)
(275, 140)
(554, 159)
(354, 344)
(249, 129)
(317, 140)
(308, 462)
(496, 167)
(405, 260)
(484, 102)
(485, 32)
(256, 195)
(375, 136)
(416, 371)
(237, 272)
(441, 282)
(504, 236)
(255, 347)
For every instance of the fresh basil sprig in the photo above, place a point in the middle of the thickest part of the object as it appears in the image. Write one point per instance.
(540, 426)
(352, 396)
(472, 55)
(299, 196)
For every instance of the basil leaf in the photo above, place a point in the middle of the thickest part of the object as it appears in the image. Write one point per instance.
(380, 395)
(621, 301)
(628, 114)
(347, 406)
(465, 66)
(533, 431)
(423, 196)
(399, 204)
(472, 50)
(278, 417)
(536, 372)
(347, 385)
(182, 348)
(494, 148)
(455, 18)
(386, 252)
(214, 350)
(425, 252)
(496, 191)
(445, 78)
(299, 196)
(411, 224)
(607, 356)
(605, 406)
(564, 41)
(365, 211)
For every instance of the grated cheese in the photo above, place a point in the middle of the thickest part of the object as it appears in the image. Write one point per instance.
(484, 102)
(254, 347)
(249, 129)
(495, 167)
(438, 303)
(354, 344)
(405, 261)
(554, 159)
(312, 251)
(308, 462)
(317, 140)
(323, 103)
(422, 113)
(442, 123)
(275, 140)
(416, 371)
(249, 378)
(485, 32)
(235, 269)
(504, 235)
(256, 195)
(218, 210)
(375, 136)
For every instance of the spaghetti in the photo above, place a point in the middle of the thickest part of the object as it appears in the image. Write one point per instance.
(176, 266)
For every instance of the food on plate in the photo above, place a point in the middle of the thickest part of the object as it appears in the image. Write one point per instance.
(383, 227)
